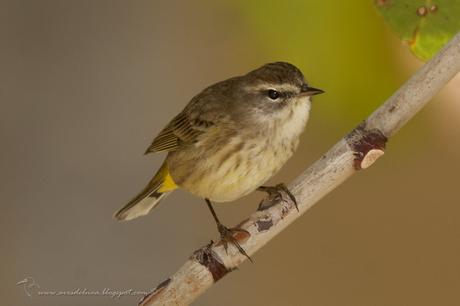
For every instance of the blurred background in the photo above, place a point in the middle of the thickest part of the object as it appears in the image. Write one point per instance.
(85, 86)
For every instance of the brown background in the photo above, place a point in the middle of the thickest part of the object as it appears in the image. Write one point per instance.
(85, 85)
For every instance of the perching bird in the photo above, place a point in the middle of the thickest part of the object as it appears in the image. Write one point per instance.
(229, 140)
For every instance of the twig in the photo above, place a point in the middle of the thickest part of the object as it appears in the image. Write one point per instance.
(357, 150)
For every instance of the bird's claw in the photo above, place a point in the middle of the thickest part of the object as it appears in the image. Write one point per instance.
(276, 192)
(227, 236)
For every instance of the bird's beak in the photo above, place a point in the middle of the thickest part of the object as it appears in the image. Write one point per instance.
(310, 91)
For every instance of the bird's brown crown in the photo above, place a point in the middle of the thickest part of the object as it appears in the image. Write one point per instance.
(277, 73)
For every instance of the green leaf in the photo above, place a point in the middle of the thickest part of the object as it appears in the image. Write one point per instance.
(425, 25)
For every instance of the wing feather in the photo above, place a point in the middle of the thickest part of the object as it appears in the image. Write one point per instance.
(204, 112)
(181, 130)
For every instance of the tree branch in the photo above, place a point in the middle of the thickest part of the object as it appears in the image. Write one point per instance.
(357, 150)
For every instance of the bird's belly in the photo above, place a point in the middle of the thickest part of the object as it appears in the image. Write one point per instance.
(229, 174)
(224, 167)
(230, 182)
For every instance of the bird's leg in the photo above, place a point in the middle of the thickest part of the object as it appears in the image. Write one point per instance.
(226, 234)
(275, 191)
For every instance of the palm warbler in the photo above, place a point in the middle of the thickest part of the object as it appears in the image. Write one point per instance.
(229, 140)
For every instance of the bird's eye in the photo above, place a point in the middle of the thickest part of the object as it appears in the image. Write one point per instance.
(273, 94)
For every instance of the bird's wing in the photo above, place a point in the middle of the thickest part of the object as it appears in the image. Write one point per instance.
(181, 130)
(204, 112)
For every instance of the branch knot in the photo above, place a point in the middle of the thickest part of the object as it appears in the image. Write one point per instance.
(367, 145)
(208, 258)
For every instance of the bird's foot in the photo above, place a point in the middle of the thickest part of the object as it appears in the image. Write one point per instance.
(275, 193)
(227, 236)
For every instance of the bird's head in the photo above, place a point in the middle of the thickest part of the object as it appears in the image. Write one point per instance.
(275, 87)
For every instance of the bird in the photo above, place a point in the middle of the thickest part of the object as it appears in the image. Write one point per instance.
(229, 140)
(29, 285)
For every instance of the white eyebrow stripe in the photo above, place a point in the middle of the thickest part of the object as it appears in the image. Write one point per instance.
(279, 87)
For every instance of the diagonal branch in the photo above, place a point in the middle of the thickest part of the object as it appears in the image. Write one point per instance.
(357, 150)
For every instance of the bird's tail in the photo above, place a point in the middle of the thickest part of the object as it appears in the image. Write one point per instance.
(161, 185)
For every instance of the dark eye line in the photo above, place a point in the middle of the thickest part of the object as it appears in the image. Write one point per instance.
(279, 94)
